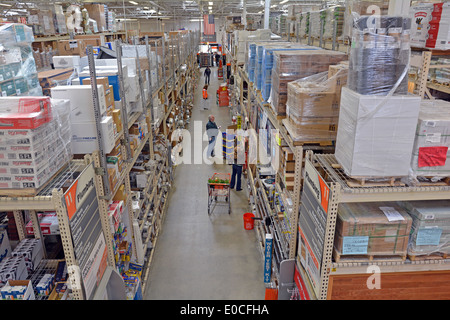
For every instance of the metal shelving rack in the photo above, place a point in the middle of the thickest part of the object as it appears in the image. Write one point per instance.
(341, 192)
(50, 198)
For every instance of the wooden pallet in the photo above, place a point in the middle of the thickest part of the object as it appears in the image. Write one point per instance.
(431, 256)
(375, 257)
(355, 181)
(30, 192)
(299, 142)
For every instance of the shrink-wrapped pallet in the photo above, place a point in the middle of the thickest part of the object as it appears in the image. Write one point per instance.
(294, 65)
(313, 106)
(430, 231)
(372, 228)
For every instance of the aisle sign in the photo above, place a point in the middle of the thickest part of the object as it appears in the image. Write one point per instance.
(88, 240)
(268, 258)
(312, 223)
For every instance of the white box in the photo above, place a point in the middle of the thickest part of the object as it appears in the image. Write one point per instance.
(84, 136)
(375, 134)
(5, 245)
(420, 22)
(61, 62)
(81, 101)
(433, 132)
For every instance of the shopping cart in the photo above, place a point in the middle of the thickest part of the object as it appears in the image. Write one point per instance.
(219, 191)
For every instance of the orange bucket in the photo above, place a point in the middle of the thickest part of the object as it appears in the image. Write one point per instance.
(248, 221)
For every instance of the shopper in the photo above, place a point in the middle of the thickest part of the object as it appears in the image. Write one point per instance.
(212, 130)
(217, 59)
(207, 75)
(236, 171)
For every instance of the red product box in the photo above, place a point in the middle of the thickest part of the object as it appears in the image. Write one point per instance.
(25, 112)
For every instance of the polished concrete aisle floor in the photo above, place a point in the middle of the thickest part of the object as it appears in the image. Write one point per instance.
(201, 257)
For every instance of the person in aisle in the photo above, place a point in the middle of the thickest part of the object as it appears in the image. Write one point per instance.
(217, 59)
(236, 171)
(198, 59)
(207, 75)
(212, 130)
(205, 91)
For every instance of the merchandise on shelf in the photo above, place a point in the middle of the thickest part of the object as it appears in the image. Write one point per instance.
(34, 139)
(293, 65)
(31, 250)
(42, 22)
(17, 290)
(430, 231)
(439, 27)
(242, 37)
(372, 228)
(375, 134)
(48, 222)
(5, 245)
(431, 154)
(421, 17)
(18, 75)
(51, 78)
(313, 105)
(379, 56)
(82, 117)
(12, 268)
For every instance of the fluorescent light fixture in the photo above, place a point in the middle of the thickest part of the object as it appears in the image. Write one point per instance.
(284, 1)
(210, 3)
(210, 8)
(196, 20)
(133, 2)
(273, 6)
(6, 5)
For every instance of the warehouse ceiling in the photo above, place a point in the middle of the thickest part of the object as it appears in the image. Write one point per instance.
(170, 8)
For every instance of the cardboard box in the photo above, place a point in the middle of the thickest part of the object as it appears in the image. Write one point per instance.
(25, 112)
(72, 47)
(84, 136)
(372, 228)
(18, 290)
(52, 78)
(81, 101)
(375, 134)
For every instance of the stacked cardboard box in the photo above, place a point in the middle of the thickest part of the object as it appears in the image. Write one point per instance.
(34, 142)
(370, 228)
(431, 151)
(83, 125)
(294, 65)
(72, 47)
(430, 232)
(287, 167)
(42, 22)
(313, 105)
(52, 78)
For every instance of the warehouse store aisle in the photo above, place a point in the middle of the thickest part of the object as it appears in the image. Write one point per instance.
(201, 257)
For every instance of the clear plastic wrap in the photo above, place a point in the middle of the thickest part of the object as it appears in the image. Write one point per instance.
(18, 75)
(376, 134)
(35, 140)
(379, 55)
(431, 154)
(372, 228)
(293, 65)
(430, 231)
(312, 106)
(332, 15)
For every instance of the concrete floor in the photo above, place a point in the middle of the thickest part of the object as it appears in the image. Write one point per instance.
(201, 257)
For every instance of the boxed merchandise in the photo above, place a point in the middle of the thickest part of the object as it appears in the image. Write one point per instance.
(431, 154)
(32, 252)
(5, 245)
(13, 268)
(84, 136)
(421, 17)
(17, 290)
(74, 62)
(313, 103)
(372, 228)
(41, 22)
(294, 65)
(34, 143)
(81, 101)
(112, 75)
(430, 231)
(375, 134)
(439, 27)
(97, 13)
(72, 47)
(51, 78)
(48, 222)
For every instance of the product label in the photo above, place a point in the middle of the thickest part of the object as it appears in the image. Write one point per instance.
(392, 214)
(428, 236)
(355, 245)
